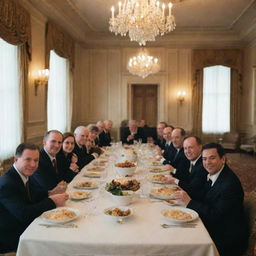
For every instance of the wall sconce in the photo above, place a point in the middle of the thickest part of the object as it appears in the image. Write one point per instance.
(41, 78)
(181, 96)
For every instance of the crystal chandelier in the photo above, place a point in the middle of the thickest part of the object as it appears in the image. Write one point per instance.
(143, 65)
(142, 19)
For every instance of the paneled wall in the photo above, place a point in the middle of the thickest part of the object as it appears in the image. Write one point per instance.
(35, 121)
(248, 117)
(102, 85)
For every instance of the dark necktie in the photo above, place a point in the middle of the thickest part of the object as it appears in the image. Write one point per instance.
(208, 185)
(54, 164)
(176, 154)
(27, 191)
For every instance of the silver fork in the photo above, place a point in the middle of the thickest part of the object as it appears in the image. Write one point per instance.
(182, 225)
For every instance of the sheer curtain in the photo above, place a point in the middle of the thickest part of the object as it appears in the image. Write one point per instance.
(216, 99)
(10, 100)
(58, 93)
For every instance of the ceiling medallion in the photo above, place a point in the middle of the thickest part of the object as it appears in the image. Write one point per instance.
(143, 20)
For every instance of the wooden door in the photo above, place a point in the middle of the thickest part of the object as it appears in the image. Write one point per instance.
(144, 103)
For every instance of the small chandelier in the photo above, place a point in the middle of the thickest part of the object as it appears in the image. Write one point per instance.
(143, 65)
(142, 19)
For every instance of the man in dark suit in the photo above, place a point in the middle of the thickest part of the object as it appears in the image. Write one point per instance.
(169, 150)
(159, 140)
(133, 133)
(177, 160)
(195, 175)
(81, 134)
(221, 207)
(105, 136)
(48, 175)
(20, 201)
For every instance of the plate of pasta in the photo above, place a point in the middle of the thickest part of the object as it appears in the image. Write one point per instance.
(61, 215)
(158, 178)
(79, 195)
(86, 185)
(165, 192)
(179, 215)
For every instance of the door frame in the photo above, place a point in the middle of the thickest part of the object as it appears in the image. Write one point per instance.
(162, 95)
(131, 98)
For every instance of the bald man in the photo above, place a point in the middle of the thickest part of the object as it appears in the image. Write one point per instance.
(195, 174)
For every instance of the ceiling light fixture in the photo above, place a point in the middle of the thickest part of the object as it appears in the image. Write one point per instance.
(143, 65)
(143, 20)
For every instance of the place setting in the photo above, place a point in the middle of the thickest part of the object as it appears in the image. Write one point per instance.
(179, 217)
(92, 175)
(86, 184)
(158, 178)
(61, 217)
(95, 168)
(118, 213)
(164, 192)
(79, 195)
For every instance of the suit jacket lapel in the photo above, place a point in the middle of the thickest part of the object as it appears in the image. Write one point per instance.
(197, 164)
(213, 192)
(13, 173)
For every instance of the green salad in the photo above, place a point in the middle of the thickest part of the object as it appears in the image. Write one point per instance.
(115, 189)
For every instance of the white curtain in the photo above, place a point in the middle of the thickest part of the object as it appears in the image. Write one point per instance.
(10, 100)
(216, 99)
(58, 105)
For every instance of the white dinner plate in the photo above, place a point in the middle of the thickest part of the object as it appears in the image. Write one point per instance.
(154, 193)
(171, 202)
(99, 162)
(92, 175)
(193, 214)
(156, 163)
(95, 168)
(48, 216)
(93, 185)
(151, 179)
(79, 195)
(156, 169)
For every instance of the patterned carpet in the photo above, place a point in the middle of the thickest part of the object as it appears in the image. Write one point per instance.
(244, 165)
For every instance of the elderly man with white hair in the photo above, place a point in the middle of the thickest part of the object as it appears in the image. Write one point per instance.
(81, 134)
(133, 133)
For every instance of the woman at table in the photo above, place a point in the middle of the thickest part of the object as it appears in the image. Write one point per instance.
(67, 158)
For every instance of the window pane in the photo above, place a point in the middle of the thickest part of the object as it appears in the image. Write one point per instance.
(58, 93)
(216, 100)
(10, 100)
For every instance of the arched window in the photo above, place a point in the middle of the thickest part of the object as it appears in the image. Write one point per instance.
(216, 99)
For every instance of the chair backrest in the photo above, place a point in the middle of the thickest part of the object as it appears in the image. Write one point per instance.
(250, 210)
(230, 137)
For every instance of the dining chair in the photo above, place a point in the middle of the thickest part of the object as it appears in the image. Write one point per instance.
(230, 140)
(250, 210)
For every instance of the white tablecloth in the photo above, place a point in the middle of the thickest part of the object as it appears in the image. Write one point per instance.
(97, 234)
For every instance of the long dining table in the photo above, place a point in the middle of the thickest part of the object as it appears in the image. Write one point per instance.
(97, 234)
